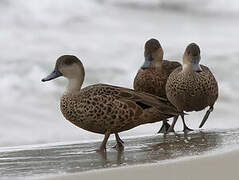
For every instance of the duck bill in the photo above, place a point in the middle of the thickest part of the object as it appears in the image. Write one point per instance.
(195, 65)
(147, 62)
(55, 74)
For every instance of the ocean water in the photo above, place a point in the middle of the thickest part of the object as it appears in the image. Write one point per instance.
(108, 36)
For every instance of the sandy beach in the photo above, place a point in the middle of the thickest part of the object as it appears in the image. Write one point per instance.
(196, 155)
(219, 166)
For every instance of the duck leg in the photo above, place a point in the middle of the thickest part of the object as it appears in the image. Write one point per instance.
(118, 140)
(103, 144)
(171, 128)
(185, 127)
(164, 128)
(119, 146)
(117, 137)
(206, 116)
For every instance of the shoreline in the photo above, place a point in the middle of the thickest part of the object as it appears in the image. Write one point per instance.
(111, 139)
(218, 166)
(45, 161)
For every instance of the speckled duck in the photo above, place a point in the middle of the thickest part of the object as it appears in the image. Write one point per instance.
(193, 86)
(106, 109)
(153, 75)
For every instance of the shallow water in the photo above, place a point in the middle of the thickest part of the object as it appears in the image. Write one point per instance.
(108, 36)
(46, 160)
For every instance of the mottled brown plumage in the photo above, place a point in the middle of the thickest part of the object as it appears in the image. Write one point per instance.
(152, 77)
(192, 91)
(193, 87)
(106, 109)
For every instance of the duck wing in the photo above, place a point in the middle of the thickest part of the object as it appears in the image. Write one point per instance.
(143, 100)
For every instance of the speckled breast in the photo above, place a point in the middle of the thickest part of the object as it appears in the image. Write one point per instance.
(151, 81)
(192, 91)
(81, 113)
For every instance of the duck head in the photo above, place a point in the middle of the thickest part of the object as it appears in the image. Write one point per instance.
(71, 68)
(192, 57)
(153, 54)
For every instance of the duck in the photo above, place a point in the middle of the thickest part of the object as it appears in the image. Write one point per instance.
(105, 109)
(193, 86)
(152, 76)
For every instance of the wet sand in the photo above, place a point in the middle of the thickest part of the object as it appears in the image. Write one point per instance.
(44, 161)
(221, 166)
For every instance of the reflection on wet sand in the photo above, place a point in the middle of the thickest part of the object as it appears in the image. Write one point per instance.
(71, 158)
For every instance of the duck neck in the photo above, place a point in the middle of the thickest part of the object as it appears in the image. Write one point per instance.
(186, 65)
(156, 63)
(75, 82)
(195, 67)
(74, 85)
(192, 63)
(157, 58)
